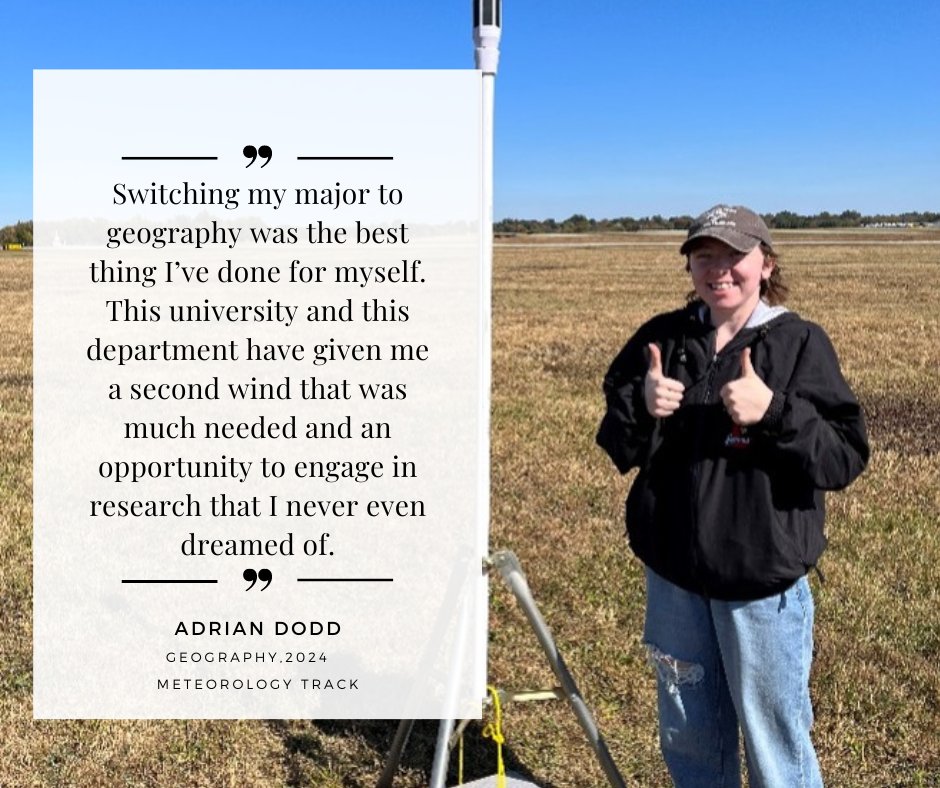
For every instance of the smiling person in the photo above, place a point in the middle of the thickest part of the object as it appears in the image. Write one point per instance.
(738, 418)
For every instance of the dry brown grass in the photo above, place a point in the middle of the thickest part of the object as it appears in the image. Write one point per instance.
(560, 313)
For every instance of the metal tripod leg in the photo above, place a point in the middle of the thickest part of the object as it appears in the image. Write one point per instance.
(441, 754)
(510, 570)
(394, 756)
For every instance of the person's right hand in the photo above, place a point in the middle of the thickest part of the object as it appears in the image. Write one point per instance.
(663, 395)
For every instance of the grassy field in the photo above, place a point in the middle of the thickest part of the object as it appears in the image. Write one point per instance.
(562, 308)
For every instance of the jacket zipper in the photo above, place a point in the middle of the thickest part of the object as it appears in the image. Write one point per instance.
(709, 381)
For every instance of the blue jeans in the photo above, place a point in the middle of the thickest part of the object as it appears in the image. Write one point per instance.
(724, 664)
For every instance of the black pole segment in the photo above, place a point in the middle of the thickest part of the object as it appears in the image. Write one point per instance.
(487, 12)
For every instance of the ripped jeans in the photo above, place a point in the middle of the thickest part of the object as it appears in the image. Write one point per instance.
(724, 664)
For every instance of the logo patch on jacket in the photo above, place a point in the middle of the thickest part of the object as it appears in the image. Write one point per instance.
(738, 438)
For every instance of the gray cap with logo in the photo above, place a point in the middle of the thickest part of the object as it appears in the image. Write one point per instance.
(735, 225)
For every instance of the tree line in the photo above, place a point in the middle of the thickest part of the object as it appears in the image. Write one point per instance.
(22, 232)
(19, 233)
(783, 220)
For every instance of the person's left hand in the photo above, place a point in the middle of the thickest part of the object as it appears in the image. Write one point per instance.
(747, 398)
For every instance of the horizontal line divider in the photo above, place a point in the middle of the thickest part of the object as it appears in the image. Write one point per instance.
(345, 579)
(169, 581)
(169, 158)
(345, 158)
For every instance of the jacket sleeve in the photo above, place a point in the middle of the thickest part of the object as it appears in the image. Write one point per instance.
(815, 425)
(626, 431)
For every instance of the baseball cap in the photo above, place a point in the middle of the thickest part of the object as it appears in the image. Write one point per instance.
(735, 225)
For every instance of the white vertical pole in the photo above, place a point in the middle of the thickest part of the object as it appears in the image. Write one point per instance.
(487, 26)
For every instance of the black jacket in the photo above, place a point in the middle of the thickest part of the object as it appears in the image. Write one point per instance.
(728, 512)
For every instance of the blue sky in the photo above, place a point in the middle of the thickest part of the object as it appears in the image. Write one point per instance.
(618, 108)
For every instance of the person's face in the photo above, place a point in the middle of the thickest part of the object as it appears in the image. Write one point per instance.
(727, 280)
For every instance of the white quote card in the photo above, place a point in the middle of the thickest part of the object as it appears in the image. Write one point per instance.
(260, 452)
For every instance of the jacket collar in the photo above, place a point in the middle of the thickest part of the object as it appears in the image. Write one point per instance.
(763, 313)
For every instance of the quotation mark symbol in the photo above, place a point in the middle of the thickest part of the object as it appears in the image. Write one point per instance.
(252, 577)
(251, 152)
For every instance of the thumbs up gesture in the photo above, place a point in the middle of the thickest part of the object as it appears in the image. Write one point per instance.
(663, 395)
(747, 398)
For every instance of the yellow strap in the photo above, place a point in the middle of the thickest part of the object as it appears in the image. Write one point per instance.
(494, 731)
(460, 761)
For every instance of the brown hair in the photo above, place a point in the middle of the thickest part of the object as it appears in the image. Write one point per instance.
(773, 290)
